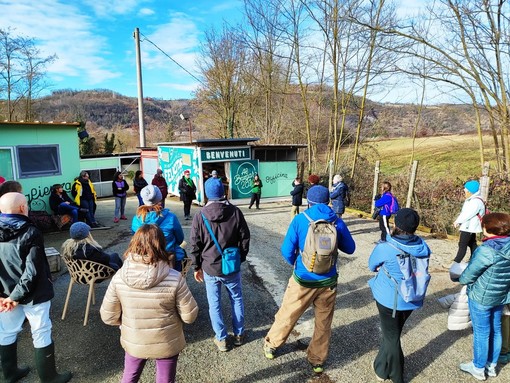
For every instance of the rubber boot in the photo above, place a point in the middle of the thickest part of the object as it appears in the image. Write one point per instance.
(45, 363)
(9, 356)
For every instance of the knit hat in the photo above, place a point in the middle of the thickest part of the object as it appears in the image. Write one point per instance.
(79, 230)
(214, 189)
(472, 186)
(151, 195)
(187, 171)
(317, 194)
(314, 179)
(407, 220)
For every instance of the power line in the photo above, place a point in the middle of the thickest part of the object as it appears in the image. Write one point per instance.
(167, 55)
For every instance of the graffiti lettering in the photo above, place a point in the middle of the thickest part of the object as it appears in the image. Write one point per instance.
(276, 177)
(39, 192)
(244, 177)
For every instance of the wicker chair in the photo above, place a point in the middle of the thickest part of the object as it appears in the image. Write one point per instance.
(85, 272)
(186, 265)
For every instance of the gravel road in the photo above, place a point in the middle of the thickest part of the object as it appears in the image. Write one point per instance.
(432, 352)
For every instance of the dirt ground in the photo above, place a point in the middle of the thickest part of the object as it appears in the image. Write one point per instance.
(93, 353)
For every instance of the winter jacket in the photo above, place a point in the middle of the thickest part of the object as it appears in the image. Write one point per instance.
(230, 229)
(384, 203)
(139, 184)
(385, 255)
(78, 189)
(169, 224)
(160, 182)
(469, 218)
(458, 310)
(256, 187)
(56, 200)
(297, 194)
(337, 196)
(150, 303)
(187, 192)
(119, 188)
(25, 274)
(488, 273)
(294, 242)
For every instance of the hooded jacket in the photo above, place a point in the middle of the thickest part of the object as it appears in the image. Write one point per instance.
(488, 273)
(230, 229)
(297, 194)
(169, 224)
(383, 288)
(472, 210)
(337, 196)
(150, 303)
(77, 190)
(384, 203)
(294, 243)
(25, 274)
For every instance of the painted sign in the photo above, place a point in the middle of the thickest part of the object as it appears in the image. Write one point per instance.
(241, 175)
(277, 178)
(174, 160)
(225, 154)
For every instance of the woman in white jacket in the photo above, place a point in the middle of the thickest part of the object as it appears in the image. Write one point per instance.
(469, 219)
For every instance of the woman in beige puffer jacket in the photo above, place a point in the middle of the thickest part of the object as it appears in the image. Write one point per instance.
(150, 301)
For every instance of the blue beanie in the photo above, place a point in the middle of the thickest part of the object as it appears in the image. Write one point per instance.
(472, 186)
(317, 194)
(214, 189)
(79, 230)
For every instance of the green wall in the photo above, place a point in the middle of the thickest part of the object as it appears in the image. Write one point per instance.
(277, 178)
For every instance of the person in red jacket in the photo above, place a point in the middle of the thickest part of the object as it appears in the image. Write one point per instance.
(160, 182)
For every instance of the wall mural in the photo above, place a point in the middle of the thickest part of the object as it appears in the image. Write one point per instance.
(41, 192)
(277, 178)
(173, 161)
(241, 174)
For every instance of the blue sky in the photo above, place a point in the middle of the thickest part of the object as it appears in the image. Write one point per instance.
(93, 40)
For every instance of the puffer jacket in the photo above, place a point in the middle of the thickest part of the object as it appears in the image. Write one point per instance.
(488, 273)
(337, 197)
(385, 255)
(169, 224)
(230, 228)
(458, 310)
(25, 275)
(469, 217)
(150, 303)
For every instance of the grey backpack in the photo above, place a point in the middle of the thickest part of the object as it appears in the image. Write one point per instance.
(321, 249)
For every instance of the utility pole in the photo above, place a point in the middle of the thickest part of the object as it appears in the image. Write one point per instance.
(140, 87)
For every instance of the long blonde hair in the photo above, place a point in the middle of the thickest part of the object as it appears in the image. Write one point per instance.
(70, 246)
(148, 246)
(143, 210)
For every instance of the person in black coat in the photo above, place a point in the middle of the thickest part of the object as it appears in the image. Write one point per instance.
(297, 196)
(187, 190)
(62, 204)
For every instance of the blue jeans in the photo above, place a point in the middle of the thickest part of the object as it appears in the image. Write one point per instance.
(88, 204)
(213, 288)
(65, 208)
(487, 338)
(120, 206)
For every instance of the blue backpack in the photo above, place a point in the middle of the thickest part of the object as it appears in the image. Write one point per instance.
(415, 277)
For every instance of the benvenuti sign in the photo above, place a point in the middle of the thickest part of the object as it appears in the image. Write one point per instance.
(225, 154)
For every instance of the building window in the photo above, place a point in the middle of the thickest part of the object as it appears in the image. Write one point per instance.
(6, 163)
(102, 175)
(37, 161)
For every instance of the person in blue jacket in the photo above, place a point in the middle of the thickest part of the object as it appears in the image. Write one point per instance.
(306, 288)
(151, 212)
(338, 193)
(487, 277)
(389, 362)
(383, 202)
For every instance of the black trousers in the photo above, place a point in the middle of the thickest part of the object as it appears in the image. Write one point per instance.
(255, 198)
(384, 226)
(466, 240)
(389, 362)
(187, 208)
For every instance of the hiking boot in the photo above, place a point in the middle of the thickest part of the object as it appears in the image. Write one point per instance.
(238, 340)
(469, 367)
(318, 369)
(490, 369)
(269, 351)
(221, 344)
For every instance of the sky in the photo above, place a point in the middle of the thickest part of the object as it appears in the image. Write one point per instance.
(95, 48)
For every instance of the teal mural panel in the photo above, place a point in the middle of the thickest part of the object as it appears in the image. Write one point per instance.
(277, 178)
(174, 160)
(241, 174)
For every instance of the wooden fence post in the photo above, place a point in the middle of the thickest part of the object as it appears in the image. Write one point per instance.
(484, 182)
(377, 170)
(412, 180)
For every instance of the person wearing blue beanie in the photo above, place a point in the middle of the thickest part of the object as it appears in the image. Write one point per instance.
(469, 220)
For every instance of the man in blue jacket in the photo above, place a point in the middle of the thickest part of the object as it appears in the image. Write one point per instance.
(306, 288)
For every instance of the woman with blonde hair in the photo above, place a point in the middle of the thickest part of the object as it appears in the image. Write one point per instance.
(150, 302)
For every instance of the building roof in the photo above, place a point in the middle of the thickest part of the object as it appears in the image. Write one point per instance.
(211, 142)
(42, 124)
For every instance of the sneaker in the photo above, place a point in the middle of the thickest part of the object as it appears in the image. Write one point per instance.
(221, 344)
(318, 369)
(94, 225)
(249, 207)
(123, 217)
(469, 367)
(238, 340)
(490, 370)
(269, 352)
(116, 220)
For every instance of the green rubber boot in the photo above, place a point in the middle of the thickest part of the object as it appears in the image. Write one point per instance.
(9, 357)
(45, 363)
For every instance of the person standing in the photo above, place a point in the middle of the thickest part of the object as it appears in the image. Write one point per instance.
(26, 292)
(160, 182)
(468, 221)
(150, 302)
(297, 196)
(487, 277)
(85, 197)
(231, 230)
(119, 189)
(389, 362)
(256, 191)
(61, 203)
(306, 288)
(338, 194)
(187, 190)
(138, 184)
(383, 202)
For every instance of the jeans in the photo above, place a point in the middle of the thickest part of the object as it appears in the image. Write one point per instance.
(466, 240)
(88, 204)
(140, 200)
(487, 337)
(120, 206)
(166, 369)
(38, 315)
(65, 208)
(213, 288)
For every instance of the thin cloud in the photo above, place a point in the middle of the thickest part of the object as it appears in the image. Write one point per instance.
(146, 12)
(113, 7)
